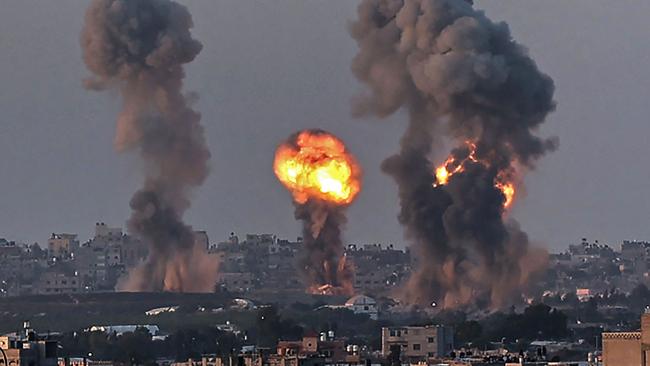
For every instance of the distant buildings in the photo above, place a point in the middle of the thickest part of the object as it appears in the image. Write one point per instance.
(265, 263)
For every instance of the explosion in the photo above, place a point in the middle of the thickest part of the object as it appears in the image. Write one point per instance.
(323, 178)
(140, 48)
(458, 75)
(317, 166)
(451, 166)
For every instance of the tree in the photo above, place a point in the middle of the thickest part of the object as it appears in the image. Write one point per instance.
(468, 331)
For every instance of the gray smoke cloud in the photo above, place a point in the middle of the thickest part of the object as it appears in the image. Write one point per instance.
(139, 47)
(321, 260)
(460, 76)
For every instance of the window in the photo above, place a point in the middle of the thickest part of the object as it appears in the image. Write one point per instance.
(431, 354)
(430, 340)
(392, 333)
(365, 308)
(416, 347)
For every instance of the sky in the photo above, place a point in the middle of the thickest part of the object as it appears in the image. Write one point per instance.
(270, 68)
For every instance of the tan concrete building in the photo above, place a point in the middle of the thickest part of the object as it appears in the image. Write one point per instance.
(417, 343)
(27, 350)
(62, 245)
(52, 282)
(628, 348)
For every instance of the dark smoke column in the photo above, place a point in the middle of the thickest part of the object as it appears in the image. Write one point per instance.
(139, 47)
(324, 179)
(460, 76)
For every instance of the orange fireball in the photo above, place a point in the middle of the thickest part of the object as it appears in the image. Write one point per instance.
(451, 167)
(316, 164)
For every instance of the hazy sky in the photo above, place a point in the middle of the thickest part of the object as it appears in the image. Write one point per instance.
(269, 68)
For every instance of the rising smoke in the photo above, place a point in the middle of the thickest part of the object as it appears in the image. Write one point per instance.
(321, 260)
(139, 47)
(458, 74)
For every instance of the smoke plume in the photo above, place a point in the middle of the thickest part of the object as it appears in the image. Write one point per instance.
(139, 47)
(322, 261)
(324, 179)
(459, 75)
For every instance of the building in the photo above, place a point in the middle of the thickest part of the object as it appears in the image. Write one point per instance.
(236, 281)
(414, 344)
(103, 231)
(57, 282)
(26, 349)
(628, 348)
(201, 240)
(62, 245)
(623, 346)
(362, 304)
(313, 345)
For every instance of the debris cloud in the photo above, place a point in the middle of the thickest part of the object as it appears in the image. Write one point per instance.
(461, 76)
(139, 47)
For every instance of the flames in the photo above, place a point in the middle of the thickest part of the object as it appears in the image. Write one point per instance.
(503, 181)
(315, 164)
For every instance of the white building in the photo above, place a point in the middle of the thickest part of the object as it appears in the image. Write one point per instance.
(362, 304)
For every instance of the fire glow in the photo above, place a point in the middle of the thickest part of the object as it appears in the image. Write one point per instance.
(451, 167)
(318, 166)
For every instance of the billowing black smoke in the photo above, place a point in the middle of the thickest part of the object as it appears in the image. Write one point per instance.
(139, 47)
(459, 75)
(321, 260)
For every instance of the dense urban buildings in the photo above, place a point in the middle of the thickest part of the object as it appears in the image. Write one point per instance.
(264, 262)
(588, 299)
(258, 261)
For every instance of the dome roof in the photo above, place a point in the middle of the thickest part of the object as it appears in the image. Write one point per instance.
(360, 300)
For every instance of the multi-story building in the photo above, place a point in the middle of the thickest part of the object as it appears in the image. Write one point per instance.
(26, 349)
(313, 345)
(54, 281)
(414, 344)
(628, 348)
(62, 245)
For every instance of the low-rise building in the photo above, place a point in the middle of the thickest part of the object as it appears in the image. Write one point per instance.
(362, 304)
(26, 349)
(313, 345)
